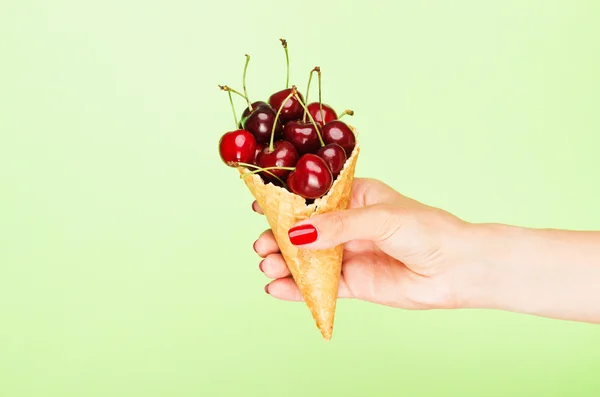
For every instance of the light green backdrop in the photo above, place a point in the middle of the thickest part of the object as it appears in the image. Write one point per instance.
(126, 266)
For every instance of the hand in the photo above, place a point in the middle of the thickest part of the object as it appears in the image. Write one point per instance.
(397, 251)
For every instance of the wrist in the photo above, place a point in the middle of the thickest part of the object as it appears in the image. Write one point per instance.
(545, 272)
(489, 273)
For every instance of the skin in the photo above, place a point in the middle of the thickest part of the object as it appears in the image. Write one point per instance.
(402, 253)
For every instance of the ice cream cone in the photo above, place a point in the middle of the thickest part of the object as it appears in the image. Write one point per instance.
(317, 273)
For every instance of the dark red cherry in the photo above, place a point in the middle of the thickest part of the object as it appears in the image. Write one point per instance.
(255, 105)
(337, 131)
(259, 148)
(324, 117)
(292, 110)
(302, 135)
(312, 177)
(237, 147)
(260, 123)
(335, 157)
(284, 154)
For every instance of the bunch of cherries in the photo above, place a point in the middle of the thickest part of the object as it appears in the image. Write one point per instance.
(288, 143)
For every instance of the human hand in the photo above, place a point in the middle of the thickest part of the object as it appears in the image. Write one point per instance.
(397, 251)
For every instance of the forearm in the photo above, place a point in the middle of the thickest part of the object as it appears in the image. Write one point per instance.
(551, 273)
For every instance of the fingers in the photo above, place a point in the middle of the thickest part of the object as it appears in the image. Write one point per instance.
(266, 244)
(274, 266)
(287, 290)
(256, 208)
(374, 223)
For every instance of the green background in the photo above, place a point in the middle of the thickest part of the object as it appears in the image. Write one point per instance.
(126, 266)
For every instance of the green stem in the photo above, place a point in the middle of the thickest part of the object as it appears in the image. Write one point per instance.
(287, 61)
(233, 110)
(346, 112)
(320, 102)
(308, 91)
(311, 120)
(244, 82)
(294, 92)
(266, 170)
(270, 168)
(227, 88)
(248, 165)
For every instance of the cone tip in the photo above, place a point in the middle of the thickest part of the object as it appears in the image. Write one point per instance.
(326, 332)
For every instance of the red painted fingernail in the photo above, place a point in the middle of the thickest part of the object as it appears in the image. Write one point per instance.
(303, 234)
(267, 289)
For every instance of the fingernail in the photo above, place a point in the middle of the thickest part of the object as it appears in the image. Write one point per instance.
(260, 266)
(303, 234)
(254, 246)
(267, 289)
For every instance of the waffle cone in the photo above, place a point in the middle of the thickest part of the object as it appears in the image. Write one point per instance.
(316, 272)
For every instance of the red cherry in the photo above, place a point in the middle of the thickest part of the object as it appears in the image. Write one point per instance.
(283, 155)
(260, 123)
(335, 157)
(337, 131)
(237, 147)
(312, 177)
(302, 135)
(292, 109)
(328, 114)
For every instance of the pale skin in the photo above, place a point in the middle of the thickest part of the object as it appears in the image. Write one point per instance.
(402, 253)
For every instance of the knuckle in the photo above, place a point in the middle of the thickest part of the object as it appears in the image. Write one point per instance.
(337, 223)
(393, 218)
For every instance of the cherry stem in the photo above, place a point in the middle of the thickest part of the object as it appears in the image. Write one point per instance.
(229, 89)
(233, 109)
(320, 102)
(308, 90)
(270, 168)
(294, 91)
(312, 120)
(346, 112)
(259, 169)
(287, 61)
(244, 82)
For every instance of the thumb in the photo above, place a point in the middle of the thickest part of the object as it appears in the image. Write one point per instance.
(375, 223)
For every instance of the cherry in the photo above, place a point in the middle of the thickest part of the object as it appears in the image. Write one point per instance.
(302, 135)
(255, 105)
(279, 154)
(306, 137)
(259, 148)
(335, 157)
(236, 147)
(261, 121)
(322, 113)
(312, 177)
(292, 109)
(337, 131)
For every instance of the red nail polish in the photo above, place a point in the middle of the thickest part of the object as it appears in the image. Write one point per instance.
(303, 234)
